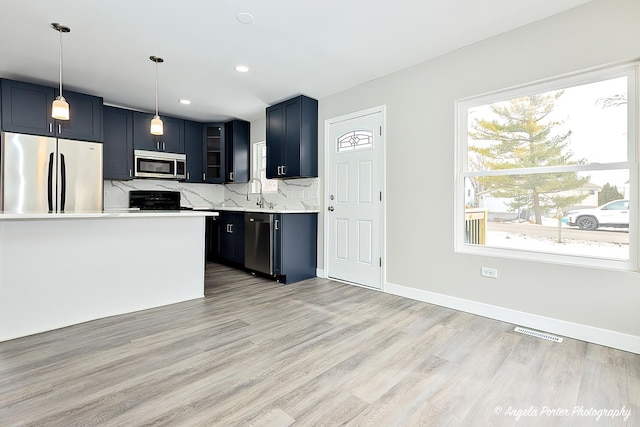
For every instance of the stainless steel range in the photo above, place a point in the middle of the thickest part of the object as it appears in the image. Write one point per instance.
(155, 200)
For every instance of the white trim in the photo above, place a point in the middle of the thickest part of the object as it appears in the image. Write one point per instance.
(578, 331)
(631, 70)
(380, 109)
(256, 172)
(320, 273)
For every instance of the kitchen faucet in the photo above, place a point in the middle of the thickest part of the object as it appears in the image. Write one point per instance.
(260, 201)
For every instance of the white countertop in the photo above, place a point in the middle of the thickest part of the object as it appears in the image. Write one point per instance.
(261, 210)
(134, 213)
(124, 213)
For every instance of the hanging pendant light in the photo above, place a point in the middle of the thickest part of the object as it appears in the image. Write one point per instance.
(60, 107)
(156, 123)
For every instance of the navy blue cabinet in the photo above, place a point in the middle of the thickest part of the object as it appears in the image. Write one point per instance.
(212, 237)
(230, 234)
(171, 141)
(224, 151)
(193, 150)
(295, 246)
(237, 151)
(214, 152)
(85, 118)
(292, 138)
(26, 108)
(117, 154)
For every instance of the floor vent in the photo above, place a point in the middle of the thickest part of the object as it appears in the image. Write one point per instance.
(537, 334)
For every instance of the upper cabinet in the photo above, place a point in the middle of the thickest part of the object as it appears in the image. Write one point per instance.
(85, 118)
(213, 151)
(26, 108)
(292, 138)
(225, 150)
(171, 141)
(117, 152)
(237, 151)
(193, 150)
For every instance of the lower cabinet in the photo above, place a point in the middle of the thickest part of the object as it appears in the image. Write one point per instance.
(228, 232)
(280, 246)
(295, 246)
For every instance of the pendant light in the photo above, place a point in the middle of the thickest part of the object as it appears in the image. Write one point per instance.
(60, 107)
(156, 123)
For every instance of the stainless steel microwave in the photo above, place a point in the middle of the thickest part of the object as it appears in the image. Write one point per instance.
(152, 164)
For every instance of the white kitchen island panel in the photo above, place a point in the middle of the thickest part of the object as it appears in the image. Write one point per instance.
(59, 272)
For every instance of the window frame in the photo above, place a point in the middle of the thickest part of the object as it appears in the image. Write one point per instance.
(256, 171)
(632, 72)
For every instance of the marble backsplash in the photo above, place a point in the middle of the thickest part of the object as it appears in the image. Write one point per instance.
(292, 194)
(299, 193)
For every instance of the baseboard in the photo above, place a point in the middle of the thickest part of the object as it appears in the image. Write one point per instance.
(587, 333)
(320, 273)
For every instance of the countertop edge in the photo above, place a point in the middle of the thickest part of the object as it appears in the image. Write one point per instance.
(263, 210)
(196, 212)
(107, 214)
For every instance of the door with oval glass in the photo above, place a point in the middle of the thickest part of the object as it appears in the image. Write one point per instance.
(354, 198)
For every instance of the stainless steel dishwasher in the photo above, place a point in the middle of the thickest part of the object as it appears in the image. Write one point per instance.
(258, 242)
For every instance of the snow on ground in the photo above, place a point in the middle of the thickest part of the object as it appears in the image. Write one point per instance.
(591, 248)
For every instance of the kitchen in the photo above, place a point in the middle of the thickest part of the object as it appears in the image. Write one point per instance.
(41, 182)
(221, 96)
(420, 262)
(107, 166)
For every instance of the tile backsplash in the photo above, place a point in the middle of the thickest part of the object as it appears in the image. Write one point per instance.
(301, 193)
(292, 194)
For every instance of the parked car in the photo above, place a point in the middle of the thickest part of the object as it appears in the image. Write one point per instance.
(612, 214)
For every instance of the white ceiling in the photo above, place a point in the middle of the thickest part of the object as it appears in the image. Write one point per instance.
(311, 47)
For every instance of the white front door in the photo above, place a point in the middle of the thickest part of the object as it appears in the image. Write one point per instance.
(354, 198)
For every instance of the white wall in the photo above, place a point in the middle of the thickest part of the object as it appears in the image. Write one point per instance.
(420, 131)
(258, 131)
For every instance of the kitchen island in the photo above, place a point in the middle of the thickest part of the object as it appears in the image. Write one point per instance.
(62, 269)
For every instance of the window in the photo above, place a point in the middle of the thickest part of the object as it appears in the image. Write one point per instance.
(259, 169)
(543, 162)
(355, 140)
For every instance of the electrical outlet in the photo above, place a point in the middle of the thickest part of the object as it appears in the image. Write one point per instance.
(489, 272)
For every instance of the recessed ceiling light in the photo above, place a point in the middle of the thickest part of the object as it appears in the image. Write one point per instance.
(242, 68)
(244, 18)
(185, 101)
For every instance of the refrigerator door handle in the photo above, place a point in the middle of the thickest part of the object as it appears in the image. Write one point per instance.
(50, 183)
(63, 179)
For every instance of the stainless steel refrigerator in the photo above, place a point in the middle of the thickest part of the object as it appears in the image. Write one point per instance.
(44, 174)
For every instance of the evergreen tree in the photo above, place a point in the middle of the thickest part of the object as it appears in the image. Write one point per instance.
(519, 135)
(609, 193)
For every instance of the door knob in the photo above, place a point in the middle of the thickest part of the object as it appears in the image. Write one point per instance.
(330, 208)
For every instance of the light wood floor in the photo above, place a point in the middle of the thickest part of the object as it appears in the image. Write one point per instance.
(255, 352)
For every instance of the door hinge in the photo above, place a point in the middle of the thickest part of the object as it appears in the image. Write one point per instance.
(380, 130)
(381, 196)
(380, 261)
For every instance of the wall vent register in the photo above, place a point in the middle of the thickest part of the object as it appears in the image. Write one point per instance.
(537, 334)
